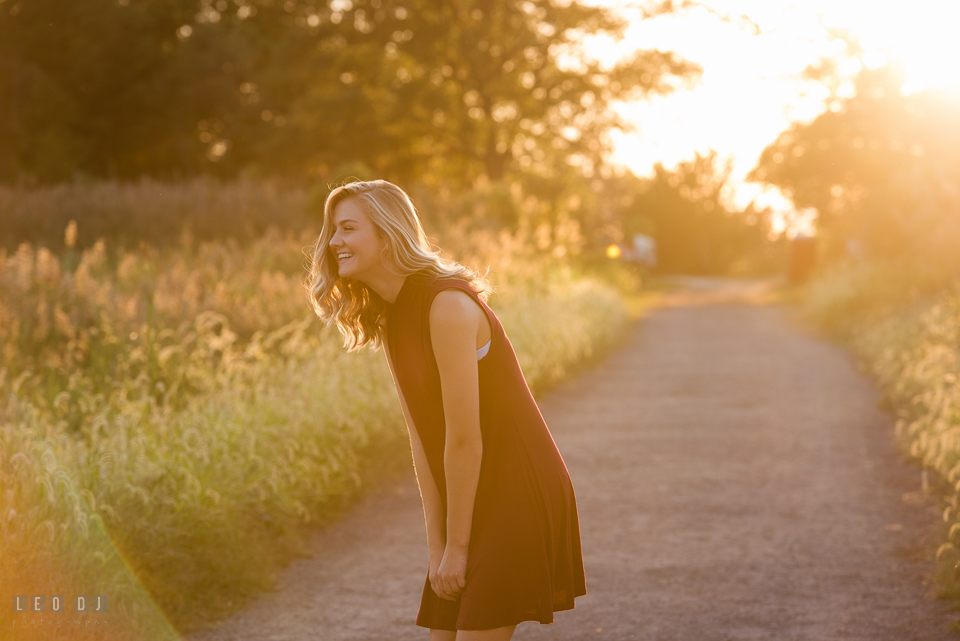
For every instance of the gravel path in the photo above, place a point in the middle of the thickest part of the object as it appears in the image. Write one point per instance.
(735, 481)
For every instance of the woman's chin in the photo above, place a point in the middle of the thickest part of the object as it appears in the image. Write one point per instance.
(349, 276)
(346, 269)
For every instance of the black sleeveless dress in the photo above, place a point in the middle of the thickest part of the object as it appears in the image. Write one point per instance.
(524, 560)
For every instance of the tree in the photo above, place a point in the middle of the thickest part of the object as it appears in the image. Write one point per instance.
(881, 169)
(88, 87)
(414, 89)
(477, 88)
(682, 209)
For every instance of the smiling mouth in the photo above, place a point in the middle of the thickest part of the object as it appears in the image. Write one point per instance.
(341, 259)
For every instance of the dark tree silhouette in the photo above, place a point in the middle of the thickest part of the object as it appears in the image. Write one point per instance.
(449, 91)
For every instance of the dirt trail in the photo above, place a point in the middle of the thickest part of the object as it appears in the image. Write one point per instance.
(735, 481)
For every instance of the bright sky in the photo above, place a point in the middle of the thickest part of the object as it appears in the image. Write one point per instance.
(750, 90)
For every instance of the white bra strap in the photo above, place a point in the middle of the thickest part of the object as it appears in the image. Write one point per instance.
(483, 350)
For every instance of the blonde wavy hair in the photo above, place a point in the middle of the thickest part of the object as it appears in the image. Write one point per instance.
(358, 311)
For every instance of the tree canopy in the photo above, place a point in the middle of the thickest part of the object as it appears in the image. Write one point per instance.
(412, 88)
(881, 167)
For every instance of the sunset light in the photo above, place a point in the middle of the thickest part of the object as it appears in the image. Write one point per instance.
(479, 320)
(753, 53)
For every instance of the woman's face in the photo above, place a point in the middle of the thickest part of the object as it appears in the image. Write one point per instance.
(355, 245)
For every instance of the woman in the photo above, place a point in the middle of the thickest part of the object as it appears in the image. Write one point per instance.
(500, 511)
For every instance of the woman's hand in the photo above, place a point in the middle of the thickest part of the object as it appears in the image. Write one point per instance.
(448, 575)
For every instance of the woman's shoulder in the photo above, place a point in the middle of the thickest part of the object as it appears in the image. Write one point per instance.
(455, 308)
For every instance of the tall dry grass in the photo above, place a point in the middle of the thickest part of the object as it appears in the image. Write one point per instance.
(847, 295)
(915, 357)
(169, 415)
(903, 320)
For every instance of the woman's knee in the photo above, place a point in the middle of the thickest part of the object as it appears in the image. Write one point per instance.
(497, 634)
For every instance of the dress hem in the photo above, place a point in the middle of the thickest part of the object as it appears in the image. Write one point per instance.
(531, 617)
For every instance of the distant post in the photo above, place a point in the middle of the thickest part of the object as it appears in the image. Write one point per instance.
(803, 257)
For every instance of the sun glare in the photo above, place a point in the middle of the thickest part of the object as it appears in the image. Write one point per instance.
(753, 53)
(919, 37)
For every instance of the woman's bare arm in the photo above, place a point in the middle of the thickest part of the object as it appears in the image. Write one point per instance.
(454, 322)
(433, 513)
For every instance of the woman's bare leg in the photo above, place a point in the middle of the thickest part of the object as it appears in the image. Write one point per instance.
(443, 635)
(497, 634)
